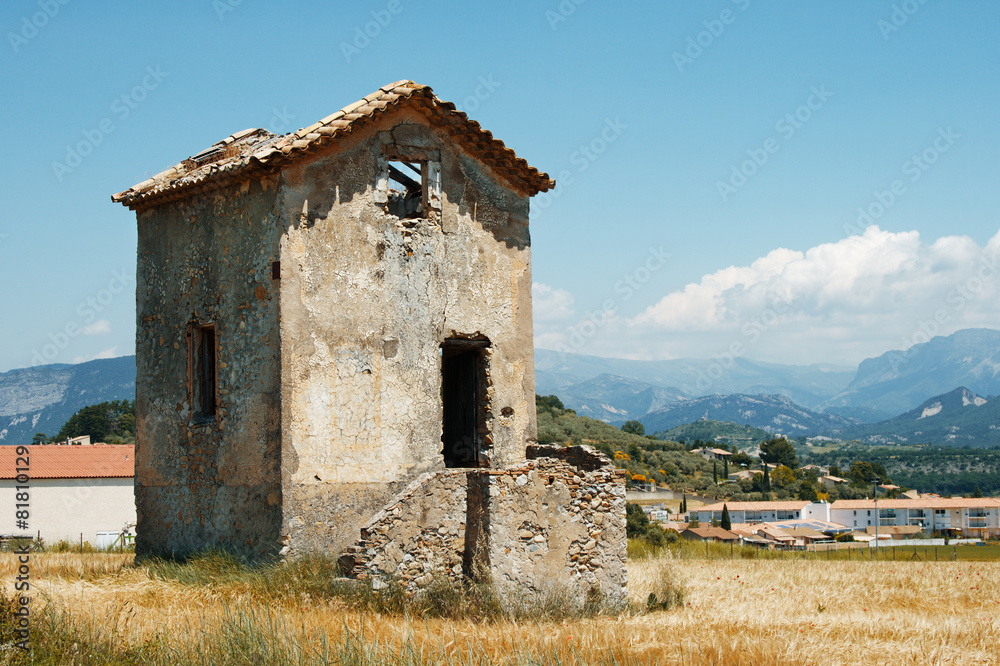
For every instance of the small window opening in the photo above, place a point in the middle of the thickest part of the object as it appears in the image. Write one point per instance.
(205, 352)
(407, 186)
(464, 402)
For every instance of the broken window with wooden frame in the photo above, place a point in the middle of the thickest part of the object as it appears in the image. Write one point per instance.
(409, 184)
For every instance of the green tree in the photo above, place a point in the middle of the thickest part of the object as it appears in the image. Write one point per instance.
(783, 476)
(725, 470)
(779, 451)
(715, 472)
(99, 421)
(767, 481)
(863, 473)
(807, 492)
(725, 523)
(741, 458)
(635, 452)
(636, 521)
(39, 438)
(634, 427)
(548, 402)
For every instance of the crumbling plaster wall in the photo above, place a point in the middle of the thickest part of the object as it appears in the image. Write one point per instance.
(366, 300)
(208, 260)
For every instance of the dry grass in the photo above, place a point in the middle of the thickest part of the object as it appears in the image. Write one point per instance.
(733, 612)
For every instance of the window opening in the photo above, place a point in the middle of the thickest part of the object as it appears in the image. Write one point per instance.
(205, 372)
(407, 185)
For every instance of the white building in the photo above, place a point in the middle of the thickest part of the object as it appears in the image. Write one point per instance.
(712, 454)
(763, 512)
(968, 516)
(72, 491)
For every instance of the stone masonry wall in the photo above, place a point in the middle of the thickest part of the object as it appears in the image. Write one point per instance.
(553, 524)
(542, 526)
(418, 536)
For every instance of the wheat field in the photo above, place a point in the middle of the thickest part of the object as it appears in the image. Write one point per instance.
(106, 610)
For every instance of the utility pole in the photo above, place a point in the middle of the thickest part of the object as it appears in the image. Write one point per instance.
(875, 483)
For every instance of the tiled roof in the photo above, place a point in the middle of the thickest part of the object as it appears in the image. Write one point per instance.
(712, 533)
(922, 503)
(246, 154)
(755, 506)
(49, 461)
(895, 529)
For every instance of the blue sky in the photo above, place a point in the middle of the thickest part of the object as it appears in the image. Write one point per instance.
(712, 157)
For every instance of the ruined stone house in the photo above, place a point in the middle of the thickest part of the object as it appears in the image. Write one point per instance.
(334, 343)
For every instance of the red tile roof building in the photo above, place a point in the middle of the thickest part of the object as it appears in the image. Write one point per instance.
(49, 461)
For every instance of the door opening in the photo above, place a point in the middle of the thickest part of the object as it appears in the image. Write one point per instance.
(463, 395)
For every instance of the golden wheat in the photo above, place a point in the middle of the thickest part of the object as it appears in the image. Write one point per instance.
(733, 612)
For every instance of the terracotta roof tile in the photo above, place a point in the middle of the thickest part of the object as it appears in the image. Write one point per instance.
(241, 155)
(922, 503)
(49, 461)
(710, 532)
(756, 506)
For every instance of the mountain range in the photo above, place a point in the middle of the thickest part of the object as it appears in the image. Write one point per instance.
(898, 381)
(956, 418)
(773, 413)
(888, 398)
(42, 398)
(880, 388)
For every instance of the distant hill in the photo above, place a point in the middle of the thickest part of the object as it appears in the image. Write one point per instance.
(898, 381)
(722, 432)
(808, 385)
(773, 413)
(956, 418)
(42, 398)
(612, 398)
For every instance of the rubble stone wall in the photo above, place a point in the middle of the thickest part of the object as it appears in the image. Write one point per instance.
(539, 527)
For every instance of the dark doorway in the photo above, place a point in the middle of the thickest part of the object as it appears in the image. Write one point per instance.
(463, 395)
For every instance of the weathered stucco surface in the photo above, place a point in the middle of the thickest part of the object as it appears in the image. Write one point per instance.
(366, 301)
(208, 260)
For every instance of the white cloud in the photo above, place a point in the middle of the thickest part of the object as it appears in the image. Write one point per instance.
(99, 327)
(550, 304)
(837, 302)
(110, 352)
